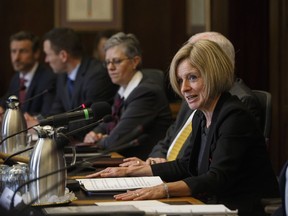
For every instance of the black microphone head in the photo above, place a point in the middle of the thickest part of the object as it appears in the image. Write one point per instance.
(100, 109)
(108, 118)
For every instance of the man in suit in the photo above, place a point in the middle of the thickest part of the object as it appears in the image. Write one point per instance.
(39, 81)
(80, 80)
(161, 151)
(89, 78)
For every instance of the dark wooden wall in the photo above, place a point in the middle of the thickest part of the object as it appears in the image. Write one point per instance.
(160, 26)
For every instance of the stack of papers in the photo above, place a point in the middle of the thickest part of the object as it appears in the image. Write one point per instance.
(119, 184)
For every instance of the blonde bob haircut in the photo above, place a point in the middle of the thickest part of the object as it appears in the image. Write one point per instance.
(212, 63)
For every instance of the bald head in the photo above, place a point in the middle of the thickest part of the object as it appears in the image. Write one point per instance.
(218, 38)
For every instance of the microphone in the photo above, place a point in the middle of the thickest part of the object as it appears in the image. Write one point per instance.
(62, 139)
(97, 111)
(127, 142)
(82, 106)
(136, 132)
(39, 94)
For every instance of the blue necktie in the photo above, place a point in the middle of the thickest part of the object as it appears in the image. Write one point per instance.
(70, 86)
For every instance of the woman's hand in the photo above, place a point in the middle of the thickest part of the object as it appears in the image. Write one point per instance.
(123, 171)
(132, 161)
(156, 192)
(110, 172)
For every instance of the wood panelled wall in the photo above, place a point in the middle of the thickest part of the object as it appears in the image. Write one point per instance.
(161, 28)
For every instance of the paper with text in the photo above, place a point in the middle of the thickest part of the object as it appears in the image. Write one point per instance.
(119, 184)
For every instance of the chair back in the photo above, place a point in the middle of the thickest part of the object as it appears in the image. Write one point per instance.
(265, 99)
(155, 75)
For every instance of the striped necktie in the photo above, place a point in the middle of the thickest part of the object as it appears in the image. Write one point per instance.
(179, 142)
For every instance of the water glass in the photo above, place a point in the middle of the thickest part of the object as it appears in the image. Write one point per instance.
(17, 176)
(4, 170)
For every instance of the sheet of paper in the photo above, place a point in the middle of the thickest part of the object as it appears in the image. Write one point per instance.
(156, 207)
(138, 204)
(93, 210)
(188, 209)
(118, 184)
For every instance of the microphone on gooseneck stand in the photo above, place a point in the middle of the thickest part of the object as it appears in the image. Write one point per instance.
(97, 111)
(82, 106)
(63, 142)
(45, 91)
(136, 132)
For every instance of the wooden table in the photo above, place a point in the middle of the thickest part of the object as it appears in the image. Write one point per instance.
(84, 199)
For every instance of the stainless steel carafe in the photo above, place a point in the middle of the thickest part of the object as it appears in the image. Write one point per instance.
(46, 158)
(13, 122)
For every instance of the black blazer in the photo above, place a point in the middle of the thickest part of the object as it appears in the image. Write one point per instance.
(238, 172)
(92, 84)
(44, 80)
(239, 89)
(147, 105)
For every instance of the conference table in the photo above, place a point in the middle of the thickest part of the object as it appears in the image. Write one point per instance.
(85, 199)
(114, 160)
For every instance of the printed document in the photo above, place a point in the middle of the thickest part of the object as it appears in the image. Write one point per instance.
(119, 184)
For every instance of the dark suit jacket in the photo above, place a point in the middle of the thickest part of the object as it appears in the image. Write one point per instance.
(238, 172)
(43, 79)
(147, 105)
(239, 89)
(92, 84)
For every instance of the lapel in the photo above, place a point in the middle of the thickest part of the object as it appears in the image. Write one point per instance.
(211, 138)
(78, 84)
(195, 142)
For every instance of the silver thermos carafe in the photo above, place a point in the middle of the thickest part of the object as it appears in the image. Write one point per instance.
(13, 122)
(47, 158)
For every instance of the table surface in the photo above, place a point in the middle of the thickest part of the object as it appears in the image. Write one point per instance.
(84, 199)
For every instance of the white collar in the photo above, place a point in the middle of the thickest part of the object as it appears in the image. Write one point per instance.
(29, 75)
(133, 83)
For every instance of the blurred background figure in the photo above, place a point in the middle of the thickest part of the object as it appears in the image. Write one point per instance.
(99, 42)
(80, 79)
(31, 78)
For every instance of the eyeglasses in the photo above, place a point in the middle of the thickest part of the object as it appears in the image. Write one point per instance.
(114, 62)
